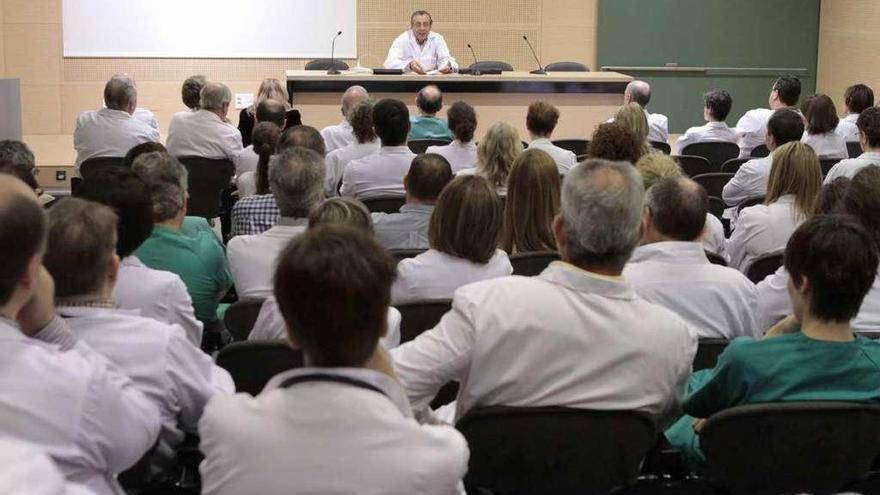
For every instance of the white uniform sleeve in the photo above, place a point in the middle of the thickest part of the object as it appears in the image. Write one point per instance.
(397, 58)
(742, 186)
(443, 56)
(181, 312)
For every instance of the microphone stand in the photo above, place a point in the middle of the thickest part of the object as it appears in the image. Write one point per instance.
(474, 71)
(540, 70)
(332, 70)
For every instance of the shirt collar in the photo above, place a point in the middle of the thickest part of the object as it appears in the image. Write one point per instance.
(293, 222)
(116, 113)
(417, 208)
(389, 150)
(872, 156)
(209, 115)
(676, 252)
(92, 311)
(572, 277)
(716, 124)
(540, 141)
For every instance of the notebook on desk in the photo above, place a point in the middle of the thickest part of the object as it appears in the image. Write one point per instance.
(388, 72)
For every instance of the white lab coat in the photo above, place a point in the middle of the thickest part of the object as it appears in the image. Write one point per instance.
(762, 229)
(850, 167)
(459, 155)
(377, 175)
(432, 55)
(564, 159)
(436, 275)
(848, 129)
(713, 236)
(407, 229)
(26, 469)
(712, 132)
(109, 132)
(750, 180)
(752, 130)
(828, 146)
(246, 161)
(253, 258)
(339, 158)
(337, 136)
(202, 133)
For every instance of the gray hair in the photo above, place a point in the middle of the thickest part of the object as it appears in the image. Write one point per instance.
(18, 160)
(167, 180)
(296, 178)
(353, 96)
(601, 210)
(214, 95)
(639, 92)
(119, 92)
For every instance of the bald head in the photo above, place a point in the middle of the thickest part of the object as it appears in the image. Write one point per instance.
(120, 93)
(271, 111)
(429, 100)
(22, 237)
(352, 97)
(638, 92)
(678, 208)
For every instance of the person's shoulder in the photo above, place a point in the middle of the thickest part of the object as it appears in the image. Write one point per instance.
(230, 412)
(658, 118)
(437, 36)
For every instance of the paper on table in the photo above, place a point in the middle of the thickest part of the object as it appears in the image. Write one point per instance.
(432, 72)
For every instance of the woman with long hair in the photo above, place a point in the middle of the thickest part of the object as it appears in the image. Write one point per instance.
(495, 155)
(265, 138)
(270, 89)
(366, 143)
(533, 190)
(820, 117)
(632, 116)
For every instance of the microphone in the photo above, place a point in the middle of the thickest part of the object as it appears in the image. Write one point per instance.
(474, 71)
(332, 70)
(540, 69)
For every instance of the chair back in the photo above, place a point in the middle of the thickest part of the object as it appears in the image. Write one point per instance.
(717, 152)
(696, 165)
(485, 65)
(240, 317)
(764, 265)
(208, 178)
(419, 146)
(90, 167)
(793, 447)
(325, 64)
(716, 206)
(760, 151)
(854, 149)
(254, 362)
(708, 351)
(566, 67)
(713, 183)
(554, 450)
(533, 263)
(384, 204)
(826, 165)
(402, 254)
(754, 200)
(576, 146)
(662, 146)
(416, 317)
(716, 259)
(732, 166)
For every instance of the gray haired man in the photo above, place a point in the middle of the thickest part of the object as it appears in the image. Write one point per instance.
(206, 132)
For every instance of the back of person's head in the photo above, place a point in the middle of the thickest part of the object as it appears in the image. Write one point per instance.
(615, 142)
(820, 113)
(466, 219)
(167, 180)
(17, 159)
(837, 258)
(296, 178)
(302, 136)
(342, 211)
(719, 103)
(462, 121)
(352, 97)
(140, 149)
(639, 92)
(361, 120)
(80, 247)
(428, 175)
(632, 116)
(120, 92)
(22, 233)
(678, 208)
(541, 118)
(191, 90)
(429, 100)
(656, 166)
(869, 125)
(497, 151)
(795, 171)
(129, 197)
(785, 125)
(601, 212)
(264, 139)
(858, 97)
(271, 111)
(391, 120)
(214, 96)
(333, 286)
(831, 200)
(863, 202)
(271, 89)
(788, 89)
(533, 190)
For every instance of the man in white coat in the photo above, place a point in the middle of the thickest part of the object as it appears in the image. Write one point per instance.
(419, 49)
(752, 126)
(715, 111)
(869, 137)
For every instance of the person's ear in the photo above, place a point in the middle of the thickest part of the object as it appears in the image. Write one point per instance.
(647, 220)
(385, 326)
(770, 141)
(291, 340)
(31, 274)
(559, 235)
(863, 140)
(406, 182)
(113, 268)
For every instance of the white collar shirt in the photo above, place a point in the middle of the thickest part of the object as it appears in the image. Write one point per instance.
(26, 469)
(337, 136)
(253, 258)
(407, 229)
(564, 159)
(762, 229)
(499, 190)
(158, 294)
(850, 167)
(378, 175)
(716, 301)
(749, 181)
(752, 130)
(338, 159)
(828, 146)
(712, 132)
(246, 160)
(109, 133)
(713, 235)
(658, 127)
(147, 117)
(848, 129)
(564, 338)
(436, 275)
(459, 155)
(202, 133)
(433, 54)
(327, 435)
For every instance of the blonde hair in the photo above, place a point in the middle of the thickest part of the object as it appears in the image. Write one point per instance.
(498, 149)
(533, 190)
(270, 89)
(632, 116)
(795, 171)
(654, 167)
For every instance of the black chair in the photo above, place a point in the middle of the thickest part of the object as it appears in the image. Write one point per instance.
(416, 317)
(89, 167)
(576, 146)
(662, 146)
(531, 264)
(708, 351)
(760, 151)
(491, 65)
(713, 183)
(717, 152)
(764, 265)
(385, 204)
(254, 362)
(566, 67)
(554, 450)
(716, 206)
(419, 146)
(853, 148)
(826, 165)
(732, 166)
(791, 447)
(207, 180)
(695, 165)
(240, 317)
(754, 200)
(715, 258)
(402, 254)
(325, 64)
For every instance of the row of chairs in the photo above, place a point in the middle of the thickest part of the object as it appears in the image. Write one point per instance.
(486, 65)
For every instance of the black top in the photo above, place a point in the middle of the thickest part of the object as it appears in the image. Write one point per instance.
(246, 124)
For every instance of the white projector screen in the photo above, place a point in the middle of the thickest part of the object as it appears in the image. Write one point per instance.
(202, 28)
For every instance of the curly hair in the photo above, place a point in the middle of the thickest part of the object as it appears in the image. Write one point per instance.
(361, 120)
(615, 142)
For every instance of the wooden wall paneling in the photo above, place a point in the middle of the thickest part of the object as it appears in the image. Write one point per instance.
(848, 44)
(32, 12)
(568, 31)
(41, 109)
(33, 52)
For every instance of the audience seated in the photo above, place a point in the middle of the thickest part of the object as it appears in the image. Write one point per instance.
(296, 179)
(17, 159)
(381, 174)
(265, 140)
(820, 116)
(461, 152)
(532, 203)
(191, 91)
(869, 137)
(577, 326)
(113, 130)
(408, 229)
(170, 371)
(194, 253)
(268, 111)
(795, 181)
(670, 267)
(205, 132)
(333, 289)
(752, 127)
(658, 124)
(56, 392)
(541, 121)
(784, 126)
(463, 235)
(810, 356)
(856, 100)
(365, 143)
(495, 155)
(426, 125)
(341, 135)
(270, 89)
(717, 105)
(139, 150)
(614, 142)
(156, 294)
(632, 117)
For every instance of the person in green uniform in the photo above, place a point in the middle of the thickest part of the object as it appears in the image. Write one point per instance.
(811, 355)
(427, 125)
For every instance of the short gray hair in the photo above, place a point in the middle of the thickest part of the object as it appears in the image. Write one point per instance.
(296, 178)
(352, 97)
(18, 160)
(639, 92)
(214, 95)
(167, 180)
(119, 92)
(602, 203)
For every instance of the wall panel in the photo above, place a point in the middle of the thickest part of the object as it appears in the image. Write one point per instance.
(848, 46)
